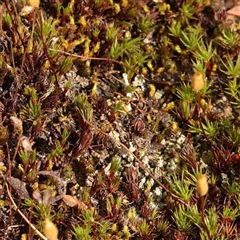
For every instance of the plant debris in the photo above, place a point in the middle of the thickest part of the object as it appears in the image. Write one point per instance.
(111, 114)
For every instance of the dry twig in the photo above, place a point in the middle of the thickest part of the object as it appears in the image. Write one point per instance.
(23, 216)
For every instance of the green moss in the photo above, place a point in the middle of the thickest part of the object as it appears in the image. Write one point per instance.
(45, 53)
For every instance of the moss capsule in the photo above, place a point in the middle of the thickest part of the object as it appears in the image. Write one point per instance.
(197, 81)
(50, 230)
(202, 185)
(34, 3)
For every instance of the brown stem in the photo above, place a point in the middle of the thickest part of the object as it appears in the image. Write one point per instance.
(23, 216)
(168, 83)
(201, 126)
(202, 202)
(45, 49)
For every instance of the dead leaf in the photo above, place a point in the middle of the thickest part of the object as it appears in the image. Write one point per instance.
(82, 206)
(234, 11)
(19, 187)
(72, 202)
(26, 10)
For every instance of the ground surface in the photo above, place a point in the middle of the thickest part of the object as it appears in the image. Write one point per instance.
(109, 114)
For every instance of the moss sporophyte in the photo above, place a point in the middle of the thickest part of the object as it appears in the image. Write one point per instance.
(119, 119)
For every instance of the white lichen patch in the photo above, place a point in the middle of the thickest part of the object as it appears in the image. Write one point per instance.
(172, 166)
(160, 162)
(128, 107)
(132, 148)
(142, 183)
(158, 191)
(125, 79)
(224, 178)
(163, 142)
(126, 154)
(139, 82)
(181, 139)
(158, 94)
(115, 135)
(153, 205)
(145, 160)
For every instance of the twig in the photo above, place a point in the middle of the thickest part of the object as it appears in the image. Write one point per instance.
(167, 83)
(22, 215)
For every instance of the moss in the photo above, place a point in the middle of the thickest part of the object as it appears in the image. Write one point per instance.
(108, 105)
